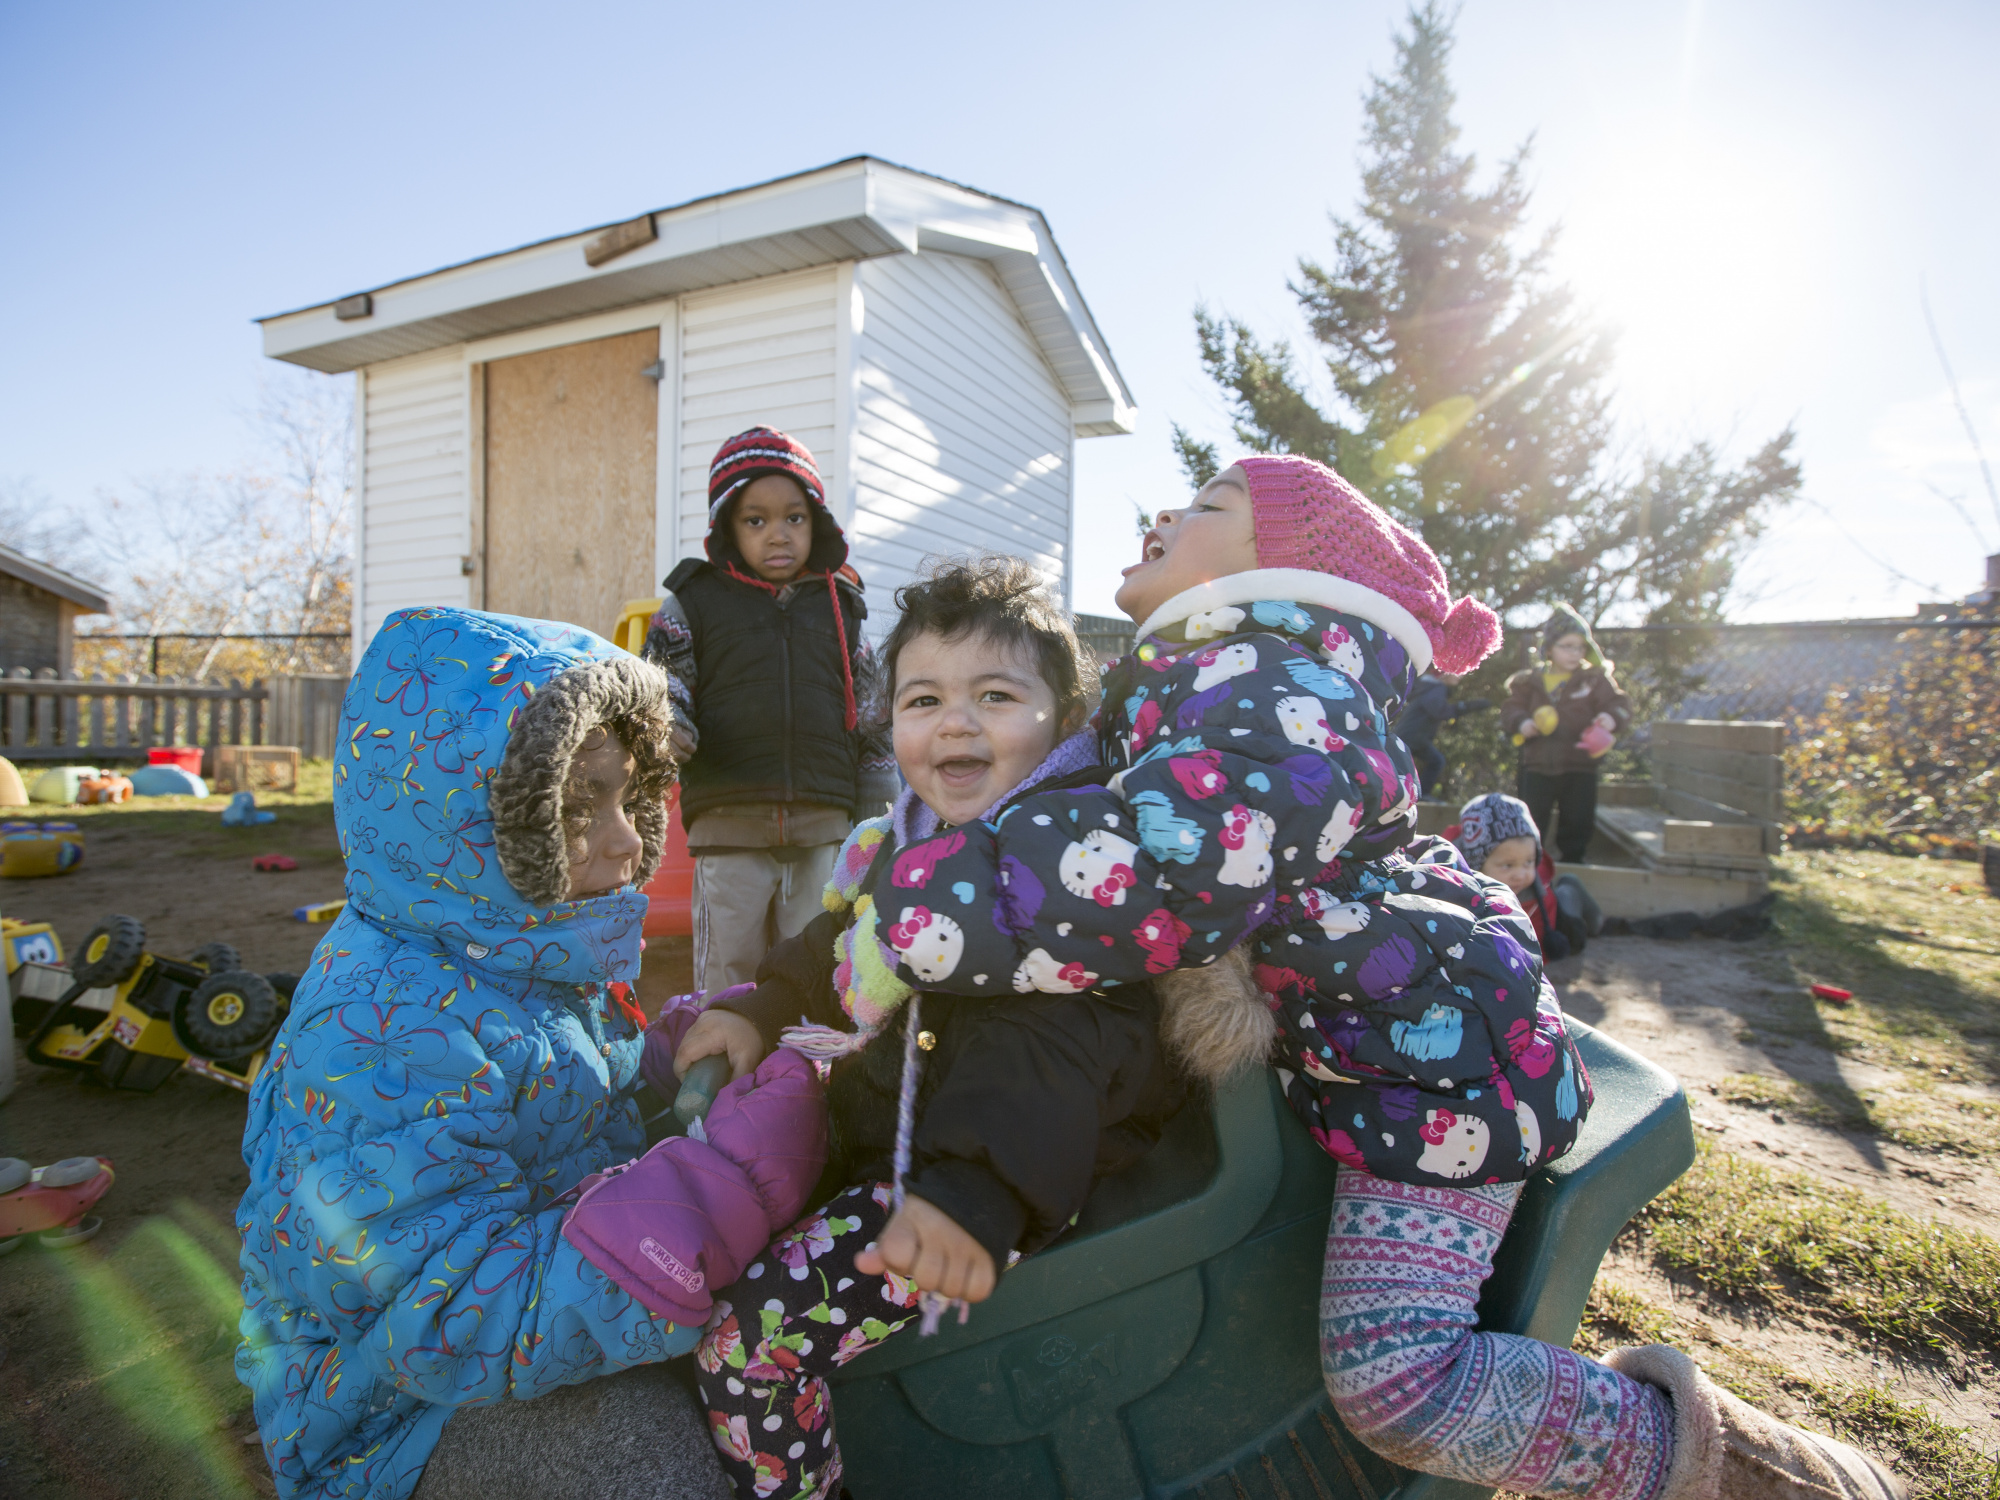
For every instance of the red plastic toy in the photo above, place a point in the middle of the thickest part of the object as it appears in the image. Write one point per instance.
(274, 862)
(1832, 992)
(52, 1203)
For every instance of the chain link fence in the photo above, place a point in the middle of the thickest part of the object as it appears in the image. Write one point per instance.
(187, 657)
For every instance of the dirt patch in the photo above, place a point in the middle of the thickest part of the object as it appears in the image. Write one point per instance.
(1711, 1014)
(189, 879)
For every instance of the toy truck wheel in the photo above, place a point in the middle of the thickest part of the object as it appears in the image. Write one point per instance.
(216, 957)
(284, 984)
(112, 952)
(228, 1017)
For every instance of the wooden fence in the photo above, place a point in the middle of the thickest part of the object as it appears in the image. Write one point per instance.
(46, 718)
(304, 710)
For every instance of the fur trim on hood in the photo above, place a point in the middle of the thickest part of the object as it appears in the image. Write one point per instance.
(1214, 1021)
(622, 693)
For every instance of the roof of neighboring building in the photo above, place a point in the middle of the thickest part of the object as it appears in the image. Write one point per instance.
(93, 600)
(850, 210)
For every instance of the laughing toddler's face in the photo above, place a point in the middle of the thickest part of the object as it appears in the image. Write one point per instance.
(972, 719)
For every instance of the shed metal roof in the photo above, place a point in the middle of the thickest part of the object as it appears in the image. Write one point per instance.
(853, 209)
(93, 600)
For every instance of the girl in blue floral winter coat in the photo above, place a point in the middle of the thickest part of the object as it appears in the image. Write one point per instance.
(452, 1207)
(1260, 818)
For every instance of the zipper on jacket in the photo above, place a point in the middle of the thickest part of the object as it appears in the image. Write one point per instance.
(785, 686)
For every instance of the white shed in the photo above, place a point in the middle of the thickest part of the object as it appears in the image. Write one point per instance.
(534, 427)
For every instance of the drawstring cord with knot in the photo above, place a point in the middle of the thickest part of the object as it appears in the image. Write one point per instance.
(932, 1304)
(839, 625)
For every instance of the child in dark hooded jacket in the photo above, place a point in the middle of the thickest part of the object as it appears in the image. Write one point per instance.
(1260, 812)
(772, 683)
(1017, 1104)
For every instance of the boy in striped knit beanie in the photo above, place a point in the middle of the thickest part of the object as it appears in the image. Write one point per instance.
(763, 641)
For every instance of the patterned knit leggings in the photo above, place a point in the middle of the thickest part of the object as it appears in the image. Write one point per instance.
(1412, 1380)
(800, 1311)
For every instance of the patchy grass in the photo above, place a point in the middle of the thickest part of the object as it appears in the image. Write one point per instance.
(315, 789)
(1939, 1460)
(195, 823)
(1750, 1231)
(1917, 1115)
(1916, 940)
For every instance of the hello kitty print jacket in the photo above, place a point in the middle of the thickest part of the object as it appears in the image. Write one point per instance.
(1254, 795)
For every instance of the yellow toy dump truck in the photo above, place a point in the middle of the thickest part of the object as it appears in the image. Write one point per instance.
(136, 1017)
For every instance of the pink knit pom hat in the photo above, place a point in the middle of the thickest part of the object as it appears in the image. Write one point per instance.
(1308, 517)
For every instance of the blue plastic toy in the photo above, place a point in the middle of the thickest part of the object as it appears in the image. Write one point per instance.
(167, 781)
(243, 812)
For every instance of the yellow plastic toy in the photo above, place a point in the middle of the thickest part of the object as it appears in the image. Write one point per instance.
(629, 634)
(29, 943)
(13, 790)
(30, 849)
(136, 1018)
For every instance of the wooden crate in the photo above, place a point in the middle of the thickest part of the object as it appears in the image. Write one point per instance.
(253, 768)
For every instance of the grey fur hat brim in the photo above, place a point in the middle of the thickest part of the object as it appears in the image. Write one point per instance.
(526, 798)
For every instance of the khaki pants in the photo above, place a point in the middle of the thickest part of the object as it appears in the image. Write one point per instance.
(746, 902)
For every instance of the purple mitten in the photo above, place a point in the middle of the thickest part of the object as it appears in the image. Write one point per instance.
(663, 1038)
(773, 1126)
(670, 1227)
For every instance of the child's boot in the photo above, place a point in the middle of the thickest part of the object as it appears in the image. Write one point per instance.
(1726, 1449)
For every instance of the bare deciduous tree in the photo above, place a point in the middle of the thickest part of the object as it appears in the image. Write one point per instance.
(261, 550)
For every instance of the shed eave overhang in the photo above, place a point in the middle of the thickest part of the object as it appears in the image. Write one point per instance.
(852, 210)
(89, 599)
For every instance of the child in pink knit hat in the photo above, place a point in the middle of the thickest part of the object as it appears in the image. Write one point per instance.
(1252, 850)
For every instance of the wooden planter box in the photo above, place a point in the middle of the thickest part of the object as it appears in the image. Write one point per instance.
(253, 768)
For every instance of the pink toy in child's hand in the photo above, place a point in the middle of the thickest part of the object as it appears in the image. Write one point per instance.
(1596, 739)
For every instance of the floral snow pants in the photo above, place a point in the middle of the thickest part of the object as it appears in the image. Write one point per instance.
(1412, 1379)
(799, 1311)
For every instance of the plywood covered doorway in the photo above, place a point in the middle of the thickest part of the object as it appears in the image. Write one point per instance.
(571, 444)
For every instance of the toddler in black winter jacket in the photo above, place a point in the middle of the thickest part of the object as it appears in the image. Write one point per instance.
(771, 676)
(1019, 1104)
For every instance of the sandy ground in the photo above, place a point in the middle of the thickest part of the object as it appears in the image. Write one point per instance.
(190, 881)
(1705, 1011)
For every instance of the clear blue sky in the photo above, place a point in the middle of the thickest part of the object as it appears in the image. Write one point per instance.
(1751, 191)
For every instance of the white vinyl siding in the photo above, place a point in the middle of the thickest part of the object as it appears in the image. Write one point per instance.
(414, 527)
(756, 354)
(962, 432)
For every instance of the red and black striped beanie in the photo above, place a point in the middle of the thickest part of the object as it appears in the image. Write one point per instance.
(760, 451)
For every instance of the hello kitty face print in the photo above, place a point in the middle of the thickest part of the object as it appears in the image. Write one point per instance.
(1455, 1145)
(1246, 842)
(1335, 918)
(1041, 971)
(1303, 721)
(1342, 651)
(1339, 829)
(929, 942)
(1220, 663)
(1211, 623)
(1100, 866)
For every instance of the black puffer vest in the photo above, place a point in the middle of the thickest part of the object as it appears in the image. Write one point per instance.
(772, 698)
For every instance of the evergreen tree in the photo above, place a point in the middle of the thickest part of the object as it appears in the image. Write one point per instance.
(1473, 393)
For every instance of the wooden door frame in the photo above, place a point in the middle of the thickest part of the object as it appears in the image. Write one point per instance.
(663, 314)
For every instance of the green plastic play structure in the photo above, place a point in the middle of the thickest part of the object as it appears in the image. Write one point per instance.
(1169, 1344)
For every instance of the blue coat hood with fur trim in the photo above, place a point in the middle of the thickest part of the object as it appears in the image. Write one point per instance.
(449, 1070)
